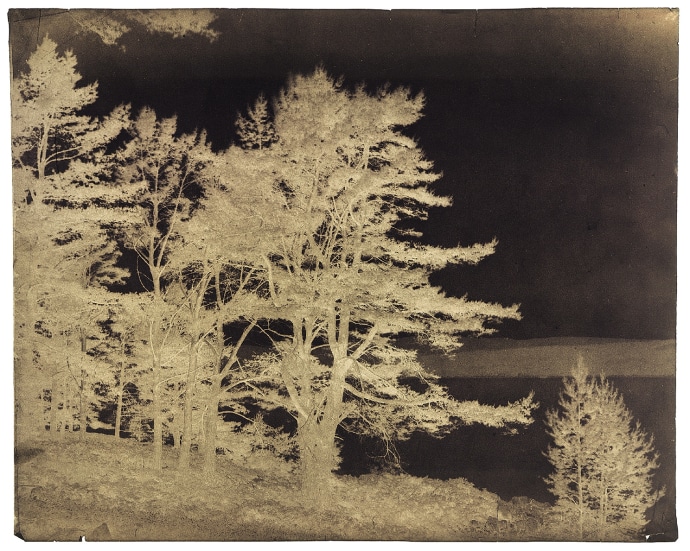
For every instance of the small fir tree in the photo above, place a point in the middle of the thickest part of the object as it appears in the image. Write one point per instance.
(603, 461)
(256, 130)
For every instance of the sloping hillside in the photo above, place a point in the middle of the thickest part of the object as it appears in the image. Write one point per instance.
(555, 357)
(103, 488)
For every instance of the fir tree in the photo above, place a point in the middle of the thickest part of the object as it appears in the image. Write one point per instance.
(603, 461)
(256, 130)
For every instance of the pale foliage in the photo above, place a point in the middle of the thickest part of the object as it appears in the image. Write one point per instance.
(337, 194)
(47, 130)
(156, 168)
(62, 219)
(108, 25)
(256, 130)
(111, 25)
(177, 23)
(193, 270)
(603, 461)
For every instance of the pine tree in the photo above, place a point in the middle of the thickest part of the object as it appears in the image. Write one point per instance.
(161, 174)
(62, 199)
(256, 130)
(343, 267)
(603, 461)
(48, 130)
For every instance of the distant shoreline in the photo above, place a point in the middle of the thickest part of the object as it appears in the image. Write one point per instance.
(546, 358)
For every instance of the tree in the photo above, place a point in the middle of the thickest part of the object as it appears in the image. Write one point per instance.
(603, 461)
(190, 236)
(47, 129)
(161, 173)
(346, 272)
(70, 367)
(218, 282)
(256, 130)
(122, 346)
(63, 209)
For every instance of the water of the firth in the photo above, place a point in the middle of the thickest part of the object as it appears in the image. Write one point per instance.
(515, 465)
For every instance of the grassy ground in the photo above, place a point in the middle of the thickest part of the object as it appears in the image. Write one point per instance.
(104, 489)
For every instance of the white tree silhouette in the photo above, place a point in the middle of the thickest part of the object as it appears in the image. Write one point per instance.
(603, 461)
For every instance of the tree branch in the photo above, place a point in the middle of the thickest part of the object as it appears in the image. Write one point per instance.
(393, 401)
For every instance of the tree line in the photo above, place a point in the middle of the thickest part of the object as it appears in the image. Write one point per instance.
(302, 231)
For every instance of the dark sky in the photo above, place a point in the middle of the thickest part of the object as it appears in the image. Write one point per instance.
(556, 131)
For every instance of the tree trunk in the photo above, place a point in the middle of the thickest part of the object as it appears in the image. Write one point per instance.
(54, 400)
(211, 424)
(66, 417)
(156, 349)
(81, 416)
(185, 450)
(66, 408)
(603, 510)
(120, 393)
(318, 459)
(176, 430)
(42, 154)
(118, 414)
(157, 420)
(319, 455)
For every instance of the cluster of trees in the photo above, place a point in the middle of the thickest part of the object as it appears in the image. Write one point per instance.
(302, 232)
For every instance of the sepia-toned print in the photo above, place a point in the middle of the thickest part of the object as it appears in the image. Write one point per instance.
(344, 274)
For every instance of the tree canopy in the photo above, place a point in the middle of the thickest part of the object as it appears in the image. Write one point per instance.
(346, 269)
